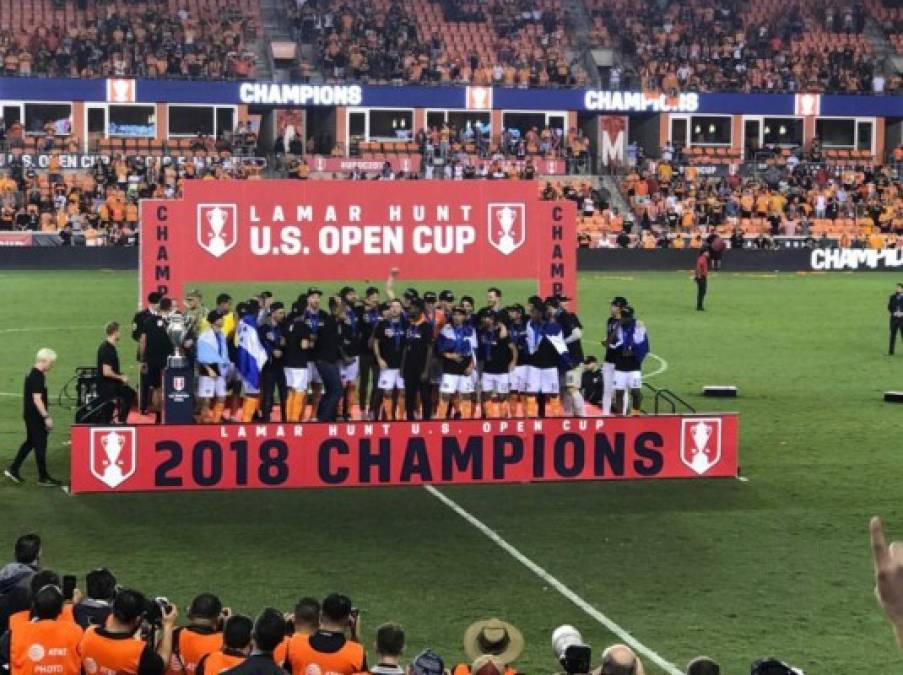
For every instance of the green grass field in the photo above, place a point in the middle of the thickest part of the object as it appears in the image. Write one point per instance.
(777, 565)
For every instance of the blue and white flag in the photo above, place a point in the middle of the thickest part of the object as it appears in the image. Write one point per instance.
(251, 353)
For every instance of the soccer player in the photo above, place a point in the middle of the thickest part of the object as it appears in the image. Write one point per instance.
(251, 358)
(370, 316)
(213, 363)
(314, 317)
(388, 348)
(498, 358)
(458, 345)
(517, 332)
(297, 373)
(328, 354)
(632, 344)
(38, 422)
(272, 377)
(416, 361)
(494, 302)
(547, 350)
(112, 384)
(572, 331)
(608, 364)
(350, 334)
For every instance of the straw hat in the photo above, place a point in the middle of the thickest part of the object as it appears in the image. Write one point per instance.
(494, 637)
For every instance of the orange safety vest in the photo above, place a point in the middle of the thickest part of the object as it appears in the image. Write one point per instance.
(281, 651)
(47, 647)
(346, 661)
(216, 662)
(189, 645)
(24, 617)
(110, 654)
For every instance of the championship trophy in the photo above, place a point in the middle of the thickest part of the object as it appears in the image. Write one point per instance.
(177, 329)
(178, 377)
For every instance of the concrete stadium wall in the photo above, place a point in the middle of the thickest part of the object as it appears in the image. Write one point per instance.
(68, 258)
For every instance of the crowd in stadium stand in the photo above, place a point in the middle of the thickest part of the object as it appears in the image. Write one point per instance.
(674, 206)
(207, 39)
(512, 43)
(726, 45)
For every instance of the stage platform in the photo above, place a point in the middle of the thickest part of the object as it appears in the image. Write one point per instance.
(142, 457)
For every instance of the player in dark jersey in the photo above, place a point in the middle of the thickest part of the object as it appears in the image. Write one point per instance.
(297, 356)
(388, 347)
(517, 331)
(608, 365)
(494, 305)
(497, 358)
(368, 371)
(572, 331)
(352, 346)
(138, 323)
(415, 362)
(457, 344)
(548, 351)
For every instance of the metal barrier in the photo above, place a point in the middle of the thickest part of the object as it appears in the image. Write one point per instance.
(667, 396)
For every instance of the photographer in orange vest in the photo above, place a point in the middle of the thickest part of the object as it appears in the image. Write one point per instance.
(201, 636)
(48, 643)
(236, 647)
(335, 646)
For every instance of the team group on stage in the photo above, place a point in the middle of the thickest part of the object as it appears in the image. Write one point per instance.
(410, 356)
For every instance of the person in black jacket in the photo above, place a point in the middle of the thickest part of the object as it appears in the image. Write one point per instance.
(139, 321)
(895, 308)
(327, 355)
(591, 381)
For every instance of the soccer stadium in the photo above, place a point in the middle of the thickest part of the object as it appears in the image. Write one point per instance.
(451, 337)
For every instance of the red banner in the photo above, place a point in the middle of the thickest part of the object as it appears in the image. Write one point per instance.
(290, 230)
(347, 164)
(353, 454)
(15, 239)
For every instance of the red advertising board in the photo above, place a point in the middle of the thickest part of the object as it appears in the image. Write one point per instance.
(354, 454)
(290, 230)
(406, 163)
(15, 239)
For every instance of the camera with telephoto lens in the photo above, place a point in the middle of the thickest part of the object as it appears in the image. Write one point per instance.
(156, 610)
(572, 653)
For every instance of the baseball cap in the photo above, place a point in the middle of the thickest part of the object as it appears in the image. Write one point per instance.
(551, 301)
(458, 309)
(516, 307)
(427, 662)
(447, 296)
(345, 290)
(429, 296)
(619, 301)
(314, 291)
(411, 293)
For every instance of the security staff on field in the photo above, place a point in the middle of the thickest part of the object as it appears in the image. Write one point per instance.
(895, 308)
(112, 384)
(139, 321)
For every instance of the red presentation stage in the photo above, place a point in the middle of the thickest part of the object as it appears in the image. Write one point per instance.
(148, 458)
(292, 230)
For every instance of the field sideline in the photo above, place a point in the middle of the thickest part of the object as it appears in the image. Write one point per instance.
(777, 565)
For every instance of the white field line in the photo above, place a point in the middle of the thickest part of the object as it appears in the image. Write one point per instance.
(663, 366)
(587, 608)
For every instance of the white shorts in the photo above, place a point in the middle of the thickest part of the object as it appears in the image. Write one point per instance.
(456, 384)
(542, 380)
(518, 378)
(573, 377)
(497, 383)
(349, 371)
(211, 387)
(314, 373)
(297, 379)
(628, 379)
(608, 375)
(389, 379)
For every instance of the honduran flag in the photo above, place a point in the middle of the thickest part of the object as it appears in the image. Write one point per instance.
(251, 353)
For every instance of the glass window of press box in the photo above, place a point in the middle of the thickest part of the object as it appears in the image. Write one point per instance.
(710, 130)
(42, 117)
(132, 121)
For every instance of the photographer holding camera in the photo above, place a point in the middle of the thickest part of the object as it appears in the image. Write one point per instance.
(94, 608)
(236, 647)
(114, 647)
(48, 643)
(202, 635)
(335, 646)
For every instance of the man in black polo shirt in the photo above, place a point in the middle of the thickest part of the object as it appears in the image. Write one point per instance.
(416, 361)
(370, 315)
(112, 385)
(154, 348)
(326, 356)
(572, 331)
(138, 323)
(895, 308)
(38, 422)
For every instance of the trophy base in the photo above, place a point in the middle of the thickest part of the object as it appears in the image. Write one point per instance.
(176, 362)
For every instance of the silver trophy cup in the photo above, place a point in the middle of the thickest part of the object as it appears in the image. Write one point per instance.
(177, 329)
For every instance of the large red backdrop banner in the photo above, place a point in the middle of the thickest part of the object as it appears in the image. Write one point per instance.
(291, 230)
(268, 456)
